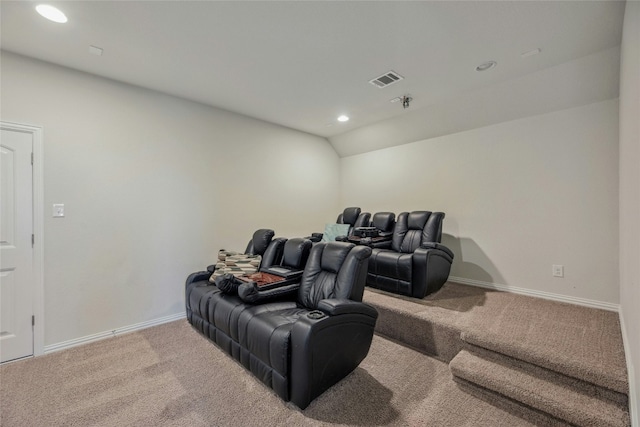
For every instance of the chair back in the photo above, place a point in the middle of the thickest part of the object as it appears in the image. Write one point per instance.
(259, 242)
(354, 217)
(415, 229)
(265, 245)
(334, 270)
(384, 223)
(296, 253)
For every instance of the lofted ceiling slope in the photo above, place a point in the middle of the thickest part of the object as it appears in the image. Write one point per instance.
(302, 64)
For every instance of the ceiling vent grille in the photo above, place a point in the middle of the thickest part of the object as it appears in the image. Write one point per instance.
(386, 79)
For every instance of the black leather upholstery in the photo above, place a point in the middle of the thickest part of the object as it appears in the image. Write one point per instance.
(299, 349)
(265, 245)
(416, 264)
(384, 222)
(294, 259)
(261, 244)
(355, 218)
(379, 232)
(296, 253)
(329, 274)
(352, 216)
(349, 216)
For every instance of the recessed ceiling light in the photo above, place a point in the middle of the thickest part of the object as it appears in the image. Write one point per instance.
(531, 52)
(343, 118)
(486, 66)
(51, 13)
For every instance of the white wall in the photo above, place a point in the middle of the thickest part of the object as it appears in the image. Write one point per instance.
(518, 196)
(630, 196)
(153, 186)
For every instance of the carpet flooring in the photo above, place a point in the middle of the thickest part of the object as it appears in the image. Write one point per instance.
(583, 340)
(169, 375)
(565, 363)
(499, 359)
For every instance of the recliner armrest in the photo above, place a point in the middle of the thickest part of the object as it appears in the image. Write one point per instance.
(198, 276)
(251, 293)
(334, 307)
(440, 246)
(315, 237)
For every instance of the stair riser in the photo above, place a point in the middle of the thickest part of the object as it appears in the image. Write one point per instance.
(566, 367)
(583, 387)
(439, 341)
(533, 391)
(539, 418)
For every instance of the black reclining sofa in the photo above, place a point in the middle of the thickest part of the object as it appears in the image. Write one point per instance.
(416, 263)
(301, 345)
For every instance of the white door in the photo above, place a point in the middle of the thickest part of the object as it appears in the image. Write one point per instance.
(16, 251)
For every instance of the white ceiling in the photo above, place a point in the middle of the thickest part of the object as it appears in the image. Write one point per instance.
(301, 64)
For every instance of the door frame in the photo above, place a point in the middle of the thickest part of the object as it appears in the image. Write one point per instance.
(38, 229)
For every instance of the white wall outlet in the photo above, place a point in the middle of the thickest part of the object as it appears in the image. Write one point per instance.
(58, 210)
(557, 270)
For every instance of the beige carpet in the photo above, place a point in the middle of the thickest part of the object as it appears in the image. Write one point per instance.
(170, 375)
(579, 341)
(561, 362)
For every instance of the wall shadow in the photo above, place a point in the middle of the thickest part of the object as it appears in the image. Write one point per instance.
(470, 261)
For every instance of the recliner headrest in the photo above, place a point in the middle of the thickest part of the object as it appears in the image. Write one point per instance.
(296, 253)
(333, 258)
(384, 221)
(417, 219)
(261, 240)
(350, 215)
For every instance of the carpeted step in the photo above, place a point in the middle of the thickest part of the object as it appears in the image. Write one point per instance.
(604, 372)
(419, 332)
(583, 387)
(500, 401)
(547, 392)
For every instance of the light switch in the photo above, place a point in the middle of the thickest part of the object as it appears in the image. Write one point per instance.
(58, 210)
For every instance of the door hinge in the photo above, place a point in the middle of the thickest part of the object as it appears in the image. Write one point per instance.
(33, 320)
(33, 240)
(31, 159)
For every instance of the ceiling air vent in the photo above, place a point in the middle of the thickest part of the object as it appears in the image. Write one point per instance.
(386, 79)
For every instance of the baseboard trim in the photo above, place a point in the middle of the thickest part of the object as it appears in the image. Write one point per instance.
(633, 399)
(540, 294)
(113, 333)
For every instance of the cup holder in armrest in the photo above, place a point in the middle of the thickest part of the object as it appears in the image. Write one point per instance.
(315, 315)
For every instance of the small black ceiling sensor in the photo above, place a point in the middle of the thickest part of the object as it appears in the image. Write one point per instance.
(406, 100)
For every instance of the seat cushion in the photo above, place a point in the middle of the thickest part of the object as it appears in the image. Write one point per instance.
(388, 263)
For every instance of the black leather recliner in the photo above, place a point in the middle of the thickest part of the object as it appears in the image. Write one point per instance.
(352, 216)
(355, 218)
(262, 243)
(379, 232)
(298, 348)
(294, 259)
(416, 264)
